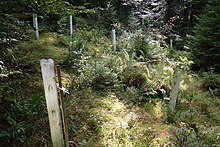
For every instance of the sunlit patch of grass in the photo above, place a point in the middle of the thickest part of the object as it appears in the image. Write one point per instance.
(162, 135)
(122, 128)
(156, 107)
(104, 120)
(31, 52)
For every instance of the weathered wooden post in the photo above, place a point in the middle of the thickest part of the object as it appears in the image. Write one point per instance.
(50, 88)
(114, 39)
(175, 88)
(35, 23)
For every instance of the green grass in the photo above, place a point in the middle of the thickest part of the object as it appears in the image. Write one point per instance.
(102, 119)
(22, 102)
(96, 118)
(112, 119)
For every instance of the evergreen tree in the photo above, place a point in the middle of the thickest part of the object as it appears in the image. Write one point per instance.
(180, 19)
(205, 42)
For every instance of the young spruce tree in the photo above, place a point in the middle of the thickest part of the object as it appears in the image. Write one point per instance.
(205, 43)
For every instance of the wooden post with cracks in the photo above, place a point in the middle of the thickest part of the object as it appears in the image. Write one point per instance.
(50, 88)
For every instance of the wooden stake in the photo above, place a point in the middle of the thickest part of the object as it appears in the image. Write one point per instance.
(50, 88)
(65, 128)
(175, 88)
(35, 23)
(114, 39)
(71, 26)
(71, 32)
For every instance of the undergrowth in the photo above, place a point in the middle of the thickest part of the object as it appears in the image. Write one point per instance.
(22, 100)
(118, 98)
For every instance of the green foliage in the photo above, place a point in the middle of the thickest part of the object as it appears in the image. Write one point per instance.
(185, 136)
(106, 116)
(22, 102)
(211, 138)
(134, 79)
(139, 44)
(180, 61)
(20, 110)
(205, 43)
(63, 25)
(98, 73)
(16, 18)
(211, 82)
(104, 77)
(142, 48)
(133, 96)
(107, 17)
(11, 31)
(42, 6)
(74, 60)
(180, 19)
(15, 132)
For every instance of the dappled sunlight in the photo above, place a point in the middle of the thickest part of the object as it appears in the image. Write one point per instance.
(158, 111)
(113, 123)
(183, 85)
(120, 125)
(115, 129)
(187, 81)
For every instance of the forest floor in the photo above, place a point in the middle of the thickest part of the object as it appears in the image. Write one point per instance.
(97, 118)
(103, 118)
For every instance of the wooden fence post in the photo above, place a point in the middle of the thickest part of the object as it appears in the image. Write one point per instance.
(71, 31)
(35, 23)
(114, 39)
(175, 88)
(50, 88)
(71, 26)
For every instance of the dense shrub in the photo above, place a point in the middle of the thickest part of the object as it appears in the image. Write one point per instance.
(142, 48)
(134, 79)
(186, 136)
(98, 73)
(211, 82)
